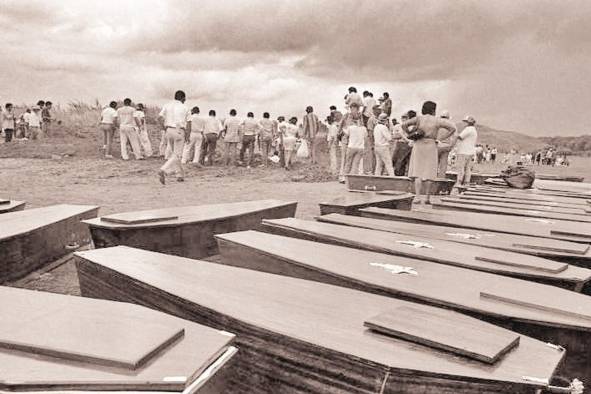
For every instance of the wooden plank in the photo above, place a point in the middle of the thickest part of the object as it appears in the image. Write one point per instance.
(398, 183)
(186, 360)
(272, 316)
(112, 342)
(552, 248)
(485, 221)
(527, 197)
(515, 199)
(451, 332)
(477, 178)
(561, 186)
(538, 214)
(462, 256)
(137, 218)
(518, 206)
(552, 177)
(352, 201)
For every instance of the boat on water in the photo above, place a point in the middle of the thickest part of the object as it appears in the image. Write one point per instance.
(32, 238)
(531, 226)
(475, 177)
(544, 312)
(184, 231)
(526, 200)
(11, 205)
(58, 343)
(351, 202)
(567, 178)
(301, 336)
(515, 210)
(568, 252)
(523, 205)
(433, 250)
(396, 183)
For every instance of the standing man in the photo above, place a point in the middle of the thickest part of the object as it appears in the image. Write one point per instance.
(212, 131)
(173, 118)
(195, 138)
(336, 115)
(46, 118)
(444, 147)
(107, 127)
(128, 130)
(386, 104)
(231, 134)
(353, 98)
(382, 137)
(267, 134)
(466, 148)
(249, 133)
(8, 122)
(356, 134)
(35, 122)
(369, 155)
(310, 129)
(144, 138)
(368, 103)
(403, 147)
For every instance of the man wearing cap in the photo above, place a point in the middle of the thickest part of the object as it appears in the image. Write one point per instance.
(466, 148)
(382, 137)
(444, 147)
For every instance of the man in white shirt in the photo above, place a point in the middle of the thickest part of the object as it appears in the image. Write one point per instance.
(368, 104)
(212, 130)
(128, 130)
(144, 138)
(35, 122)
(250, 130)
(173, 118)
(353, 98)
(8, 122)
(232, 137)
(466, 148)
(107, 127)
(195, 138)
(356, 134)
(382, 137)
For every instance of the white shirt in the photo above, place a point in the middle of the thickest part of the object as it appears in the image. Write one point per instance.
(139, 115)
(108, 115)
(126, 116)
(333, 131)
(212, 125)
(368, 103)
(466, 144)
(356, 135)
(175, 114)
(197, 123)
(382, 135)
(34, 119)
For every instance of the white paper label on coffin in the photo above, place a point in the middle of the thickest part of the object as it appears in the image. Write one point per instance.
(416, 244)
(395, 269)
(464, 235)
(542, 221)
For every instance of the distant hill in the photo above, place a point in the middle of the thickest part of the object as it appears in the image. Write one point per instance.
(504, 141)
(580, 145)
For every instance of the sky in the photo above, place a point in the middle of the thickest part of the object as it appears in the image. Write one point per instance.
(514, 65)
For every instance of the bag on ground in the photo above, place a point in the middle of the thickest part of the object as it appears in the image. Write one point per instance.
(518, 177)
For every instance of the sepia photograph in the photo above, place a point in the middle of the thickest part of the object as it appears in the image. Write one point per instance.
(295, 196)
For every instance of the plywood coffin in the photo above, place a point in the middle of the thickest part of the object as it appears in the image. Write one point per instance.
(472, 257)
(352, 201)
(301, 336)
(526, 197)
(476, 177)
(398, 183)
(53, 342)
(522, 202)
(32, 238)
(511, 206)
(184, 231)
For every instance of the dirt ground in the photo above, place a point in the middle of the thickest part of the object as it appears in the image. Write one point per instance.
(68, 169)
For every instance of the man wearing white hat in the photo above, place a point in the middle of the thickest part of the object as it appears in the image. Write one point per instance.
(444, 147)
(466, 148)
(382, 137)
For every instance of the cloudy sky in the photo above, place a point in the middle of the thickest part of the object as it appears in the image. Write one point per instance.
(515, 65)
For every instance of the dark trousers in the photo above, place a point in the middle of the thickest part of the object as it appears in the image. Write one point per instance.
(8, 135)
(247, 143)
(400, 158)
(210, 142)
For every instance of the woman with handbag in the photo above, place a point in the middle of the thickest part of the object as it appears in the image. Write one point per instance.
(423, 159)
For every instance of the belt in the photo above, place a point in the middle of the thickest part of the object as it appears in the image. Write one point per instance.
(174, 127)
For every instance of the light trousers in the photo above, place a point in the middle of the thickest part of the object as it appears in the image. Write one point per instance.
(353, 160)
(464, 163)
(145, 143)
(107, 130)
(129, 134)
(194, 145)
(383, 160)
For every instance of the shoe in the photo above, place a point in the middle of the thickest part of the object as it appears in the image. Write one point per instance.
(162, 177)
(180, 179)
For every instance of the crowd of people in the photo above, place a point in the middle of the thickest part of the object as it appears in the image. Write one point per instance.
(34, 123)
(364, 138)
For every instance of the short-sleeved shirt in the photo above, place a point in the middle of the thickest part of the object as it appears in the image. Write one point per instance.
(369, 103)
(175, 114)
(197, 123)
(139, 115)
(34, 119)
(356, 135)
(250, 126)
(232, 126)
(212, 125)
(354, 98)
(466, 144)
(8, 119)
(267, 127)
(108, 115)
(125, 116)
(382, 135)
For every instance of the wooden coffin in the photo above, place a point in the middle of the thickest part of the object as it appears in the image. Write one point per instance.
(476, 177)
(397, 183)
(561, 186)
(299, 336)
(572, 252)
(32, 238)
(513, 210)
(547, 316)
(184, 231)
(537, 227)
(11, 205)
(52, 342)
(517, 199)
(523, 206)
(471, 257)
(552, 177)
(526, 196)
(351, 202)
